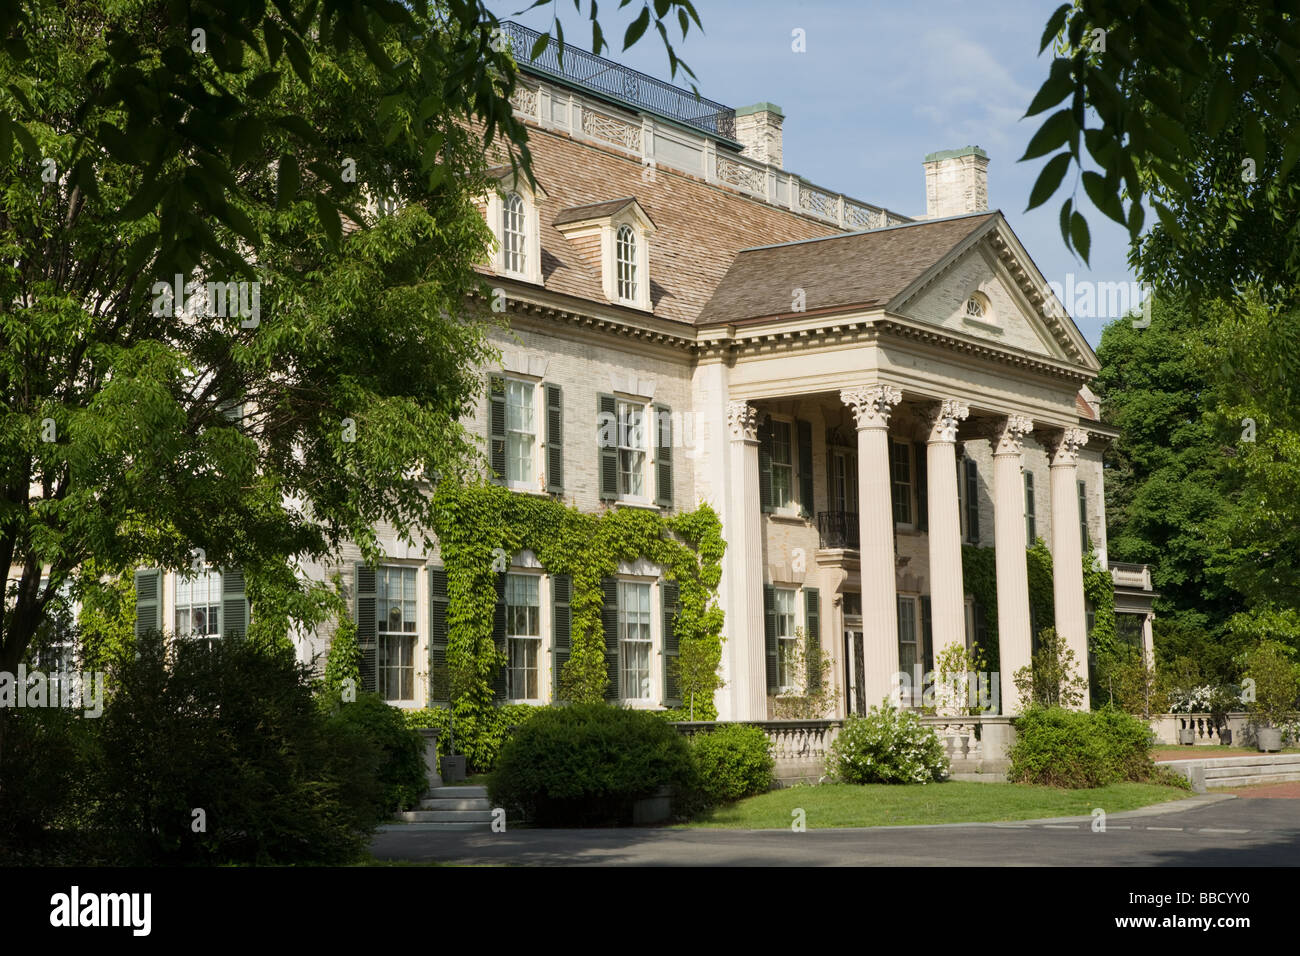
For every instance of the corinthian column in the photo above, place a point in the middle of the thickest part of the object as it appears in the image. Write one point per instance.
(1015, 640)
(745, 568)
(947, 590)
(1067, 548)
(871, 407)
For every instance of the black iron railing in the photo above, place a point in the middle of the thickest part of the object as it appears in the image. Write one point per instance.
(619, 82)
(838, 529)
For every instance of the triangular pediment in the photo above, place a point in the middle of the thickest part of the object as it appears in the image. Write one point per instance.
(988, 288)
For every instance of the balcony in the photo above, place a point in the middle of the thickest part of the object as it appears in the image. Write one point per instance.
(1131, 575)
(619, 83)
(838, 530)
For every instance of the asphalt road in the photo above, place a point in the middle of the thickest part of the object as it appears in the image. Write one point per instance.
(1201, 831)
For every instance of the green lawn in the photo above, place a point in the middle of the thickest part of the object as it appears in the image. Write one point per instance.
(878, 805)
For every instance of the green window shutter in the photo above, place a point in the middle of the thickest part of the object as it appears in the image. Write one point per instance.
(1031, 524)
(769, 618)
(554, 439)
(1083, 515)
(922, 488)
(561, 627)
(803, 435)
(663, 456)
(927, 633)
(609, 622)
(765, 464)
(499, 638)
(148, 601)
(670, 594)
(607, 445)
(972, 502)
(365, 584)
(812, 614)
(497, 425)
(439, 676)
(234, 603)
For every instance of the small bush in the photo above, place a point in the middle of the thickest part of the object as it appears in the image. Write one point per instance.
(401, 772)
(732, 762)
(48, 753)
(1080, 749)
(888, 745)
(586, 764)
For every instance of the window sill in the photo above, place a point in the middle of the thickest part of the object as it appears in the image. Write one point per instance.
(642, 503)
(641, 704)
(787, 517)
(983, 324)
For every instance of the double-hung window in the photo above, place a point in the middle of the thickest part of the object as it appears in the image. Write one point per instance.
(521, 432)
(625, 262)
(635, 641)
(1031, 522)
(786, 638)
(900, 466)
(198, 607)
(514, 255)
(908, 638)
(523, 636)
(1083, 516)
(395, 651)
(631, 450)
(782, 465)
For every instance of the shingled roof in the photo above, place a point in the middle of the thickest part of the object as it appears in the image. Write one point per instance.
(861, 270)
(595, 210)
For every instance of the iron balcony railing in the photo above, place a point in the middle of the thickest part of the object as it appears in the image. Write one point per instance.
(618, 82)
(838, 529)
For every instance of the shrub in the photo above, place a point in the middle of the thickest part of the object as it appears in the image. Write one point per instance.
(1052, 678)
(732, 762)
(47, 755)
(479, 737)
(401, 772)
(887, 745)
(1080, 749)
(1276, 681)
(586, 764)
(229, 737)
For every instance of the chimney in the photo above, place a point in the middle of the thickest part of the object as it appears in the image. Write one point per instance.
(758, 129)
(956, 182)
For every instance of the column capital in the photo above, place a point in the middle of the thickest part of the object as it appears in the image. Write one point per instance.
(944, 417)
(742, 421)
(1063, 446)
(1007, 435)
(871, 404)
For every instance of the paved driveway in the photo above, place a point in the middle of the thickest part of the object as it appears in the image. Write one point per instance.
(1213, 830)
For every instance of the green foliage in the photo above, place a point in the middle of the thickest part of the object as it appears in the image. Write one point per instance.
(232, 731)
(343, 664)
(1133, 687)
(696, 670)
(471, 521)
(979, 578)
(887, 745)
(1080, 749)
(1042, 597)
(45, 769)
(478, 737)
(1052, 677)
(586, 764)
(732, 762)
(106, 619)
(401, 771)
(1276, 679)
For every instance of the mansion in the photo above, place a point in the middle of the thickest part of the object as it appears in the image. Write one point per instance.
(857, 393)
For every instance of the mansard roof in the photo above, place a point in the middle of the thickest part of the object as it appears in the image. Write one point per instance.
(859, 270)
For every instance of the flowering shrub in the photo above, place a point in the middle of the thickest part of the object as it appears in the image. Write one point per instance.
(888, 745)
(1206, 699)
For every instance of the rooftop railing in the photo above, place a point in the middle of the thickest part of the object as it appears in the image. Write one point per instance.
(618, 82)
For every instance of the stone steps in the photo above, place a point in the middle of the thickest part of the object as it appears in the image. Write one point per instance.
(1223, 772)
(452, 808)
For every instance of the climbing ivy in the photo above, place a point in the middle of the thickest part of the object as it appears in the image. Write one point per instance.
(477, 523)
(979, 576)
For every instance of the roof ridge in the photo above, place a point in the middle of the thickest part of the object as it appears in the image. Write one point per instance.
(867, 232)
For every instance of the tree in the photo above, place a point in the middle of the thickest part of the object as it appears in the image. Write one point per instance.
(1051, 679)
(696, 670)
(154, 176)
(1194, 104)
(814, 697)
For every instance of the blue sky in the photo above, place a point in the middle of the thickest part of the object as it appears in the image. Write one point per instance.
(880, 85)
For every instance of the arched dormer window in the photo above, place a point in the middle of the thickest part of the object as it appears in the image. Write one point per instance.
(514, 235)
(978, 309)
(626, 259)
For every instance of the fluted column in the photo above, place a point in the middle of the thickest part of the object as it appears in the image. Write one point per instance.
(745, 564)
(947, 590)
(871, 407)
(1015, 638)
(1067, 547)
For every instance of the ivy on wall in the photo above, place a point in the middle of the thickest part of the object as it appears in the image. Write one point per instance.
(475, 523)
(979, 575)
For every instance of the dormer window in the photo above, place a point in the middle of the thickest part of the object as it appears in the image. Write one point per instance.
(625, 261)
(513, 215)
(514, 253)
(613, 237)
